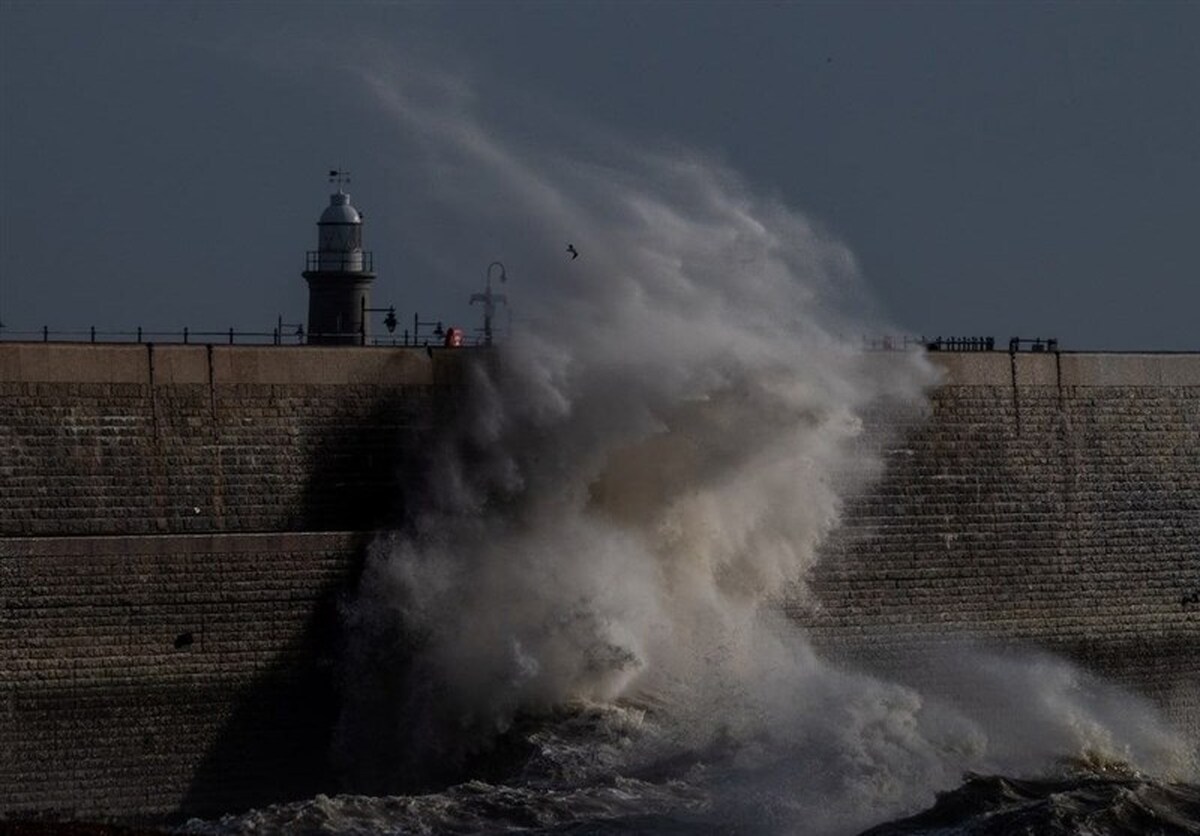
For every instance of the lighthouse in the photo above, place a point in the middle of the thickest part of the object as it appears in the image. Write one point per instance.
(339, 274)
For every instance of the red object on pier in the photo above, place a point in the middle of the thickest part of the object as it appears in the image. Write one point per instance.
(454, 338)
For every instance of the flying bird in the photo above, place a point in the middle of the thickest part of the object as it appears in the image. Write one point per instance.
(574, 252)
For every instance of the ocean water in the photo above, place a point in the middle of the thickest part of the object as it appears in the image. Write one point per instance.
(586, 769)
(991, 805)
(572, 625)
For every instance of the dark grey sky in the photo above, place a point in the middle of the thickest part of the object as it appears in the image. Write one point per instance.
(1001, 169)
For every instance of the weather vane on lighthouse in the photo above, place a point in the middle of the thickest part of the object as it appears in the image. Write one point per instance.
(339, 177)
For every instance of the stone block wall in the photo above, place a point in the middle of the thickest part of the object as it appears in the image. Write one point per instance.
(138, 439)
(1061, 513)
(177, 523)
(145, 676)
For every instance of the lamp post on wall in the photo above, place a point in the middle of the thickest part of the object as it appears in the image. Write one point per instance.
(489, 300)
(418, 323)
(389, 320)
(279, 326)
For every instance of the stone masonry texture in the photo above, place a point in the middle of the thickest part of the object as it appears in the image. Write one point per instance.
(177, 526)
(148, 675)
(1055, 517)
(179, 523)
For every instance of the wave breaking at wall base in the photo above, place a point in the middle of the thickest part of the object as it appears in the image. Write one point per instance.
(584, 588)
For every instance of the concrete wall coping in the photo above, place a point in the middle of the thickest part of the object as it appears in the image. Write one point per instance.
(999, 368)
(347, 365)
(203, 364)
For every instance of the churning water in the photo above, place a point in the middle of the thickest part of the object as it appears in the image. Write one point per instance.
(574, 625)
(575, 778)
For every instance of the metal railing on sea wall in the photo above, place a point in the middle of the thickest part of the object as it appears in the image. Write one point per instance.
(289, 335)
(907, 342)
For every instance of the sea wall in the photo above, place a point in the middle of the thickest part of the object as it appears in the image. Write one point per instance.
(177, 524)
(148, 675)
(145, 439)
(1043, 501)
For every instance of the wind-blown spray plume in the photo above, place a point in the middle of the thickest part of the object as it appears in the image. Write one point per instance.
(647, 464)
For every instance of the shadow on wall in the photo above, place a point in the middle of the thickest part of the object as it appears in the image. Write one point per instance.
(397, 730)
(276, 744)
(361, 474)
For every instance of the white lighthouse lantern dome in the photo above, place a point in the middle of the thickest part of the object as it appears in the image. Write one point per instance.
(339, 236)
(339, 211)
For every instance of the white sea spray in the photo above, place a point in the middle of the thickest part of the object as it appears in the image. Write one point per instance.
(651, 458)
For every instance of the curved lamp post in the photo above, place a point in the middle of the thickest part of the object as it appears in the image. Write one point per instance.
(490, 300)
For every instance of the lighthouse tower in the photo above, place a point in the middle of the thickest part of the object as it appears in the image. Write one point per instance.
(339, 274)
